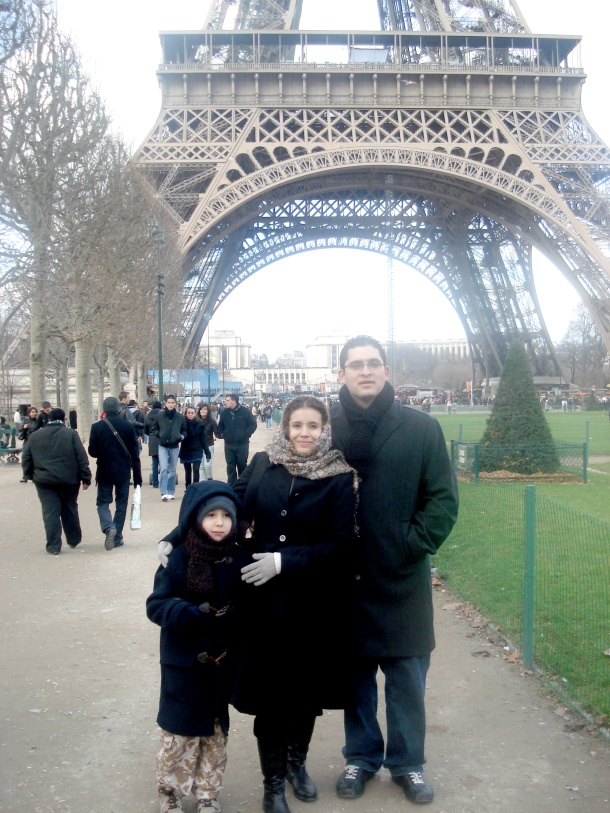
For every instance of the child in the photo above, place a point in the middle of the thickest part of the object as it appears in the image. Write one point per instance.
(192, 603)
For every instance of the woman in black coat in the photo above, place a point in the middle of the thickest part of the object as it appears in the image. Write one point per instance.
(193, 447)
(209, 424)
(300, 496)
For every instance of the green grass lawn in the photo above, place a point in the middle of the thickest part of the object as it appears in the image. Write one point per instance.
(566, 427)
(483, 562)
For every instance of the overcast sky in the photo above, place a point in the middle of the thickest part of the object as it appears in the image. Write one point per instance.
(287, 305)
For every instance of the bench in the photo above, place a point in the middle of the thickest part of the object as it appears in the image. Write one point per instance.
(10, 454)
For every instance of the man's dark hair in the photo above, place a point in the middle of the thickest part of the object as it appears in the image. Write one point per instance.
(234, 396)
(46, 405)
(123, 395)
(57, 414)
(360, 341)
(111, 405)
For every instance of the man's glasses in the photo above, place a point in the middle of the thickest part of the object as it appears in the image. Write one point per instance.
(357, 366)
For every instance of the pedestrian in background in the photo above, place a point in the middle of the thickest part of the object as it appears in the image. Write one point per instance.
(193, 447)
(169, 426)
(43, 415)
(235, 427)
(153, 441)
(210, 426)
(114, 443)
(55, 459)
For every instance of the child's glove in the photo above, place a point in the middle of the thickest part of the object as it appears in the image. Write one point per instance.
(164, 548)
(261, 570)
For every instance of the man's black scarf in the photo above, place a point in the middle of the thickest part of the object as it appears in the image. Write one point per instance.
(363, 423)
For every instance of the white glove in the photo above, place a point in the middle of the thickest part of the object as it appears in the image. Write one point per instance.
(164, 548)
(261, 570)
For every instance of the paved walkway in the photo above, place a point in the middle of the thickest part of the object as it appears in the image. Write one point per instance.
(79, 689)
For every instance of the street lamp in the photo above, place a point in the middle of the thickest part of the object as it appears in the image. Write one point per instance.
(160, 241)
(208, 317)
(223, 350)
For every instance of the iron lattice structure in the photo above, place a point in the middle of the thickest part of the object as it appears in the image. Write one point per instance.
(452, 139)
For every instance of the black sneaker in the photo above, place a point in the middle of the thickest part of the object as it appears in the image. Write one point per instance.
(350, 784)
(109, 541)
(415, 787)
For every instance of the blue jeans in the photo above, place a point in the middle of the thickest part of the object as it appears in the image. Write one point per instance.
(268, 422)
(405, 684)
(155, 470)
(104, 501)
(168, 459)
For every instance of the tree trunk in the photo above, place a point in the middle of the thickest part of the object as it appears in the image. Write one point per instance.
(37, 345)
(142, 379)
(84, 397)
(64, 383)
(101, 378)
(114, 373)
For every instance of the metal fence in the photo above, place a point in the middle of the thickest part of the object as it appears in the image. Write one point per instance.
(540, 572)
(592, 428)
(469, 458)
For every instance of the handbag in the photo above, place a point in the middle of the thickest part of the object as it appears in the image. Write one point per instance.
(135, 522)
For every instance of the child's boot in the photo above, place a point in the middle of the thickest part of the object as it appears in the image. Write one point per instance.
(169, 801)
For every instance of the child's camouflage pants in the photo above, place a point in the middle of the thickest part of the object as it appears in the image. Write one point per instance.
(192, 763)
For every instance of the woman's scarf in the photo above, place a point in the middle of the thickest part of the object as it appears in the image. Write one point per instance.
(364, 422)
(322, 462)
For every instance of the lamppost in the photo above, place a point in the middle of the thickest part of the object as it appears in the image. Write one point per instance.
(159, 240)
(208, 316)
(223, 350)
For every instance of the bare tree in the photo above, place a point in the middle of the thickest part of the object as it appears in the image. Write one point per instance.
(583, 351)
(57, 120)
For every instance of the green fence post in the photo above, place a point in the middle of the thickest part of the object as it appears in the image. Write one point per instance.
(585, 461)
(587, 435)
(529, 579)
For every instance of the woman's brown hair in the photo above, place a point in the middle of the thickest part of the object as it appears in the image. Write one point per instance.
(303, 402)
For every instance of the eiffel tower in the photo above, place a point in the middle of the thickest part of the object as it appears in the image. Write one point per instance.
(452, 139)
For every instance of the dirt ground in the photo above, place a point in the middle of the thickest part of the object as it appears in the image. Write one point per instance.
(79, 688)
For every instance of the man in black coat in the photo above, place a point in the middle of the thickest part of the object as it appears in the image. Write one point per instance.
(114, 442)
(55, 459)
(408, 506)
(235, 426)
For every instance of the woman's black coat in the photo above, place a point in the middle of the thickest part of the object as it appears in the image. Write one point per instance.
(194, 446)
(291, 630)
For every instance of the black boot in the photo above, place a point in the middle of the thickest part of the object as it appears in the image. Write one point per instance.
(274, 761)
(302, 784)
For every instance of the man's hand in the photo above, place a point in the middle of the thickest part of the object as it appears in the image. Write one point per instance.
(261, 570)
(86, 486)
(164, 548)
(137, 482)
